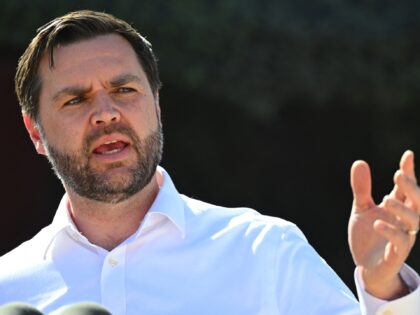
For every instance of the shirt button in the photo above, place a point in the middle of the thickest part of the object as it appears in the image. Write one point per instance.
(114, 262)
(387, 312)
(76, 236)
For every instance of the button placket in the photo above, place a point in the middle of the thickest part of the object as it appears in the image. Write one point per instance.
(112, 262)
(113, 281)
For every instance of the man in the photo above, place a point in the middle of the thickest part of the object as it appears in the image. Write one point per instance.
(125, 238)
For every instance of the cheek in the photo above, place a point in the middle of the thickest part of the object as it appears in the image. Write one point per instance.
(64, 134)
(142, 118)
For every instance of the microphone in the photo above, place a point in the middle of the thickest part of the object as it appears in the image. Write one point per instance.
(18, 308)
(83, 308)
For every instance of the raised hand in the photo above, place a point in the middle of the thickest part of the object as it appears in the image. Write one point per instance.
(382, 236)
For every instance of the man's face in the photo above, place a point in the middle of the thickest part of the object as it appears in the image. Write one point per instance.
(99, 122)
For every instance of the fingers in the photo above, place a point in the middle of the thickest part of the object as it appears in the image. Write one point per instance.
(397, 193)
(400, 242)
(408, 185)
(407, 167)
(409, 218)
(407, 163)
(361, 184)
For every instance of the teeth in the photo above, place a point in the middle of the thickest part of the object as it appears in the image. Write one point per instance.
(110, 142)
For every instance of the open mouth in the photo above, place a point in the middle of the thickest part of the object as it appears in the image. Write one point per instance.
(110, 147)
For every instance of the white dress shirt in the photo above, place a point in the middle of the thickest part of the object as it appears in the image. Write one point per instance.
(187, 258)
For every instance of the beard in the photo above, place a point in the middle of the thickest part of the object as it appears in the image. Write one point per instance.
(75, 171)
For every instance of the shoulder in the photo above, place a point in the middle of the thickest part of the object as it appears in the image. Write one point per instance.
(241, 222)
(25, 270)
(25, 256)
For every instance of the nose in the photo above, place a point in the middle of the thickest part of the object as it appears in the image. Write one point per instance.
(105, 111)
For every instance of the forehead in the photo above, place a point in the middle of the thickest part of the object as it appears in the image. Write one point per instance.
(100, 56)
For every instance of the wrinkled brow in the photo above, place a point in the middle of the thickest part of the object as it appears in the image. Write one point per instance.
(80, 90)
(124, 79)
(70, 91)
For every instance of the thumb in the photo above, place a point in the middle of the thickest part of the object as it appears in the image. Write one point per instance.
(361, 185)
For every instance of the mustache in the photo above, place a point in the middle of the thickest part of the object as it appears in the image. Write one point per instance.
(117, 127)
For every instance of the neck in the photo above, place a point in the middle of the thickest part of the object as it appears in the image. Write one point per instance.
(108, 225)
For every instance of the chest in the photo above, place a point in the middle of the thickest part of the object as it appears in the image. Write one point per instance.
(169, 278)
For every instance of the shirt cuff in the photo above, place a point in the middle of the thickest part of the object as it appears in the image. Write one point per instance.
(407, 304)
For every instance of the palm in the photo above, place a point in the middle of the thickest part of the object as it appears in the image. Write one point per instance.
(369, 249)
(377, 237)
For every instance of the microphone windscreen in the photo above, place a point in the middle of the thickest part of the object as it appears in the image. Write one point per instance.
(18, 308)
(83, 308)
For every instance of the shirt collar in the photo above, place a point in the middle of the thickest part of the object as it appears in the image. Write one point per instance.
(61, 221)
(168, 203)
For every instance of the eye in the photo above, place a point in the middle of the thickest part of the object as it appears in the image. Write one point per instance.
(125, 89)
(74, 101)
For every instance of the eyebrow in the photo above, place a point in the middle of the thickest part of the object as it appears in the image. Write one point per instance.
(70, 90)
(80, 90)
(124, 79)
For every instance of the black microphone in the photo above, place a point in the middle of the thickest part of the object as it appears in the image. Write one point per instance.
(18, 308)
(83, 308)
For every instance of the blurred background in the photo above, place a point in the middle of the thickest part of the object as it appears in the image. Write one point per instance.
(265, 104)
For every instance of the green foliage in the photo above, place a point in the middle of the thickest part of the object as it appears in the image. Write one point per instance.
(262, 55)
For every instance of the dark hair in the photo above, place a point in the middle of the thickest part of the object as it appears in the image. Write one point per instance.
(70, 28)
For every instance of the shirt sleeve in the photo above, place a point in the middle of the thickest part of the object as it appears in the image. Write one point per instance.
(405, 305)
(306, 284)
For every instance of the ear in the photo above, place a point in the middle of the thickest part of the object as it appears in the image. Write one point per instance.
(157, 105)
(34, 133)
